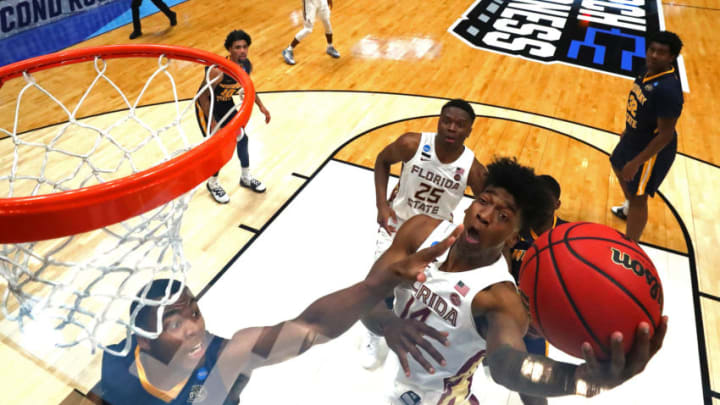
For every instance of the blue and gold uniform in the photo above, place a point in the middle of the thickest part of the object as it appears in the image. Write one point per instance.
(124, 381)
(535, 345)
(652, 97)
(223, 93)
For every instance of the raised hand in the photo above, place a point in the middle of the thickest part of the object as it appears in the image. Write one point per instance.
(413, 267)
(599, 376)
(266, 113)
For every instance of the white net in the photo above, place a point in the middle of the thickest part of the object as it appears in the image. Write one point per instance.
(79, 288)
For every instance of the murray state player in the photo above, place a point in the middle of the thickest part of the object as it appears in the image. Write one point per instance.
(468, 301)
(223, 109)
(437, 168)
(186, 364)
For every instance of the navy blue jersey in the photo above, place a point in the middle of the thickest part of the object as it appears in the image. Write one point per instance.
(224, 91)
(124, 382)
(652, 97)
(517, 252)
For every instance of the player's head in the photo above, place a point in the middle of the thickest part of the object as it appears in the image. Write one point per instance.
(552, 188)
(662, 49)
(513, 199)
(455, 123)
(182, 342)
(237, 43)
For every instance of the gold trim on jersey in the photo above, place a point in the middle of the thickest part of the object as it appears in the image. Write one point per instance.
(201, 117)
(164, 395)
(646, 172)
(647, 79)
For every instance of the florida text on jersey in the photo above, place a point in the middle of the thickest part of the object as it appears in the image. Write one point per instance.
(444, 302)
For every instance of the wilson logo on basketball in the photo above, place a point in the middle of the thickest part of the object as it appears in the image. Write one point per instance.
(623, 259)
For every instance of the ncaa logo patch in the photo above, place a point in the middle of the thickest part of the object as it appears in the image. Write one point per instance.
(426, 148)
(410, 398)
(602, 35)
(198, 394)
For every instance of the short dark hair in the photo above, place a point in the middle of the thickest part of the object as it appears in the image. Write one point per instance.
(237, 35)
(551, 185)
(667, 38)
(521, 182)
(461, 104)
(155, 290)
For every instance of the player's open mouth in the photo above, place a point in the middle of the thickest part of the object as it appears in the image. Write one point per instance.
(197, 350)
(472, 235)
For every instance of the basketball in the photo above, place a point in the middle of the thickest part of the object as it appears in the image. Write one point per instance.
(584, 281)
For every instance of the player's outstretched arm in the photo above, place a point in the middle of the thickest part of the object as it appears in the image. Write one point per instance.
(327, 317)
(510, 365)
(401, 150)
(408, 239)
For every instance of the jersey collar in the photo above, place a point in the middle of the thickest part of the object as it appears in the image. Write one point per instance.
(648, 78)
(164, 395)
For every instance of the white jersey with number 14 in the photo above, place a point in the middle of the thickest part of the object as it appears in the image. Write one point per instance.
(444, 302)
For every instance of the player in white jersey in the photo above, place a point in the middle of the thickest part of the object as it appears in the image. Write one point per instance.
(468, 302)
(448, 296)
(312, 8)
(437, 168)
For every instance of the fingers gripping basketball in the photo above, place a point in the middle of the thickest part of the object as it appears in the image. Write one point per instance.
(583, 281)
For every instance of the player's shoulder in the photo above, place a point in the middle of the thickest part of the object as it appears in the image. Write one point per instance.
(246, 65)
(404, 147)
(502, 296)
(409, 139)
(213, 72)
(673, 85)
(216, 345)
(117, 381)
(111, 361)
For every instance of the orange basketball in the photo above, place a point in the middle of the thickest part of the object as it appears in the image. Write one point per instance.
(583, 281)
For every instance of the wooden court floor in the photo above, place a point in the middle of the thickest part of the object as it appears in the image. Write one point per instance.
(560, 119)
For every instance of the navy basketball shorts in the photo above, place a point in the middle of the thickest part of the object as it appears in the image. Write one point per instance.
(202, 120)
(651, 174)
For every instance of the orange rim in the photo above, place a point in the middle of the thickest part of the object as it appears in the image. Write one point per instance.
(26, 219)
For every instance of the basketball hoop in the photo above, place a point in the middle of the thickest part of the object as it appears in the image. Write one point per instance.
(138, 211)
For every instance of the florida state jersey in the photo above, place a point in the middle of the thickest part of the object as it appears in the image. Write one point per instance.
(443, 302)
(428, 186)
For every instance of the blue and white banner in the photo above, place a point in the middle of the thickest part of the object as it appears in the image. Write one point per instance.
(36, 27)
(17, 16)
